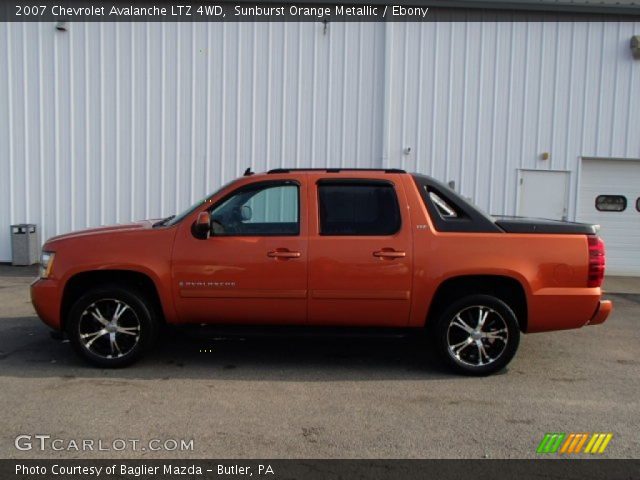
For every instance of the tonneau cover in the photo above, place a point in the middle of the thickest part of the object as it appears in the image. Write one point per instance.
(542, 225)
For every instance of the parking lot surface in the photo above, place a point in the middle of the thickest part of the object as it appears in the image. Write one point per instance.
(315, 398)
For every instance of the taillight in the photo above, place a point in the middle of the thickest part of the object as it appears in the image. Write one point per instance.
(596, 261)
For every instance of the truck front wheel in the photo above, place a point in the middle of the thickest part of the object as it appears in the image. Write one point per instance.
(477, 335)
(111, 326)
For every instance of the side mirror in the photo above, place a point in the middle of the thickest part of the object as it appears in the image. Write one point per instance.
(246, 213)
(202, 227)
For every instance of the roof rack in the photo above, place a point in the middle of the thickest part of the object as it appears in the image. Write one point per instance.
(336, 170)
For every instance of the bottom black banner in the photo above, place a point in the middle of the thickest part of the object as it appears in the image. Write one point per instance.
(321, 469)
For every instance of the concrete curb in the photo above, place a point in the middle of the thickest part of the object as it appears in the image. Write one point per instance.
(621, 285)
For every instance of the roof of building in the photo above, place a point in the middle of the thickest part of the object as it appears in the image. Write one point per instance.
(588, 8)
(584, 6)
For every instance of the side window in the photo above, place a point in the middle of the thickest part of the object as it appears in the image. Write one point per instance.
(358, 209)
(611, 203)
(258, 210)
(444, 209)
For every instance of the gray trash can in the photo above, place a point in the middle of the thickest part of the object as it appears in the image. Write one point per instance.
(25, 247)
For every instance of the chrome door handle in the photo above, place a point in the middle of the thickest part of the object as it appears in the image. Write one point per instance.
(389, 254)
(283, 254)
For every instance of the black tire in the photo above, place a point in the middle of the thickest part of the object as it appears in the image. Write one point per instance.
(135, 330)
(458, 348)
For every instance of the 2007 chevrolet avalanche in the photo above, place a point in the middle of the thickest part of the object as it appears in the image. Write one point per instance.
(340, 248)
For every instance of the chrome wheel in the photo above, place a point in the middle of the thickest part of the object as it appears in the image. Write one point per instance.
(477, 336)
(109, 328)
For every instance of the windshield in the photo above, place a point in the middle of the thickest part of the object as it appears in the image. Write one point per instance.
(174, 219)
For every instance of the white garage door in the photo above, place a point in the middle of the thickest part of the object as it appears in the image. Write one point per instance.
(609, 197)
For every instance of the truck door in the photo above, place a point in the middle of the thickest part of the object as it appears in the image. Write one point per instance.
(253, 268)
(360, 255)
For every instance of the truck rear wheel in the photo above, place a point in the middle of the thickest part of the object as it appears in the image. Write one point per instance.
(477, 335)
(111, 326)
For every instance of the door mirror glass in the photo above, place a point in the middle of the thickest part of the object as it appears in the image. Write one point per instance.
(202, 227)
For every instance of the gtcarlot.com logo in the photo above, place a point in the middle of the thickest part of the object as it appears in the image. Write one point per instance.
(573, 443)
(48, 442)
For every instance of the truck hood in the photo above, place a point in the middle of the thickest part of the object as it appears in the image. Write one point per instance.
(125, 227)
(544, 225)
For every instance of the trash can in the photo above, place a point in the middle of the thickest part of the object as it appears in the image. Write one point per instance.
(25, 247)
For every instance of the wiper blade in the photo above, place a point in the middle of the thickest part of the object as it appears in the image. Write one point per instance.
(164, 221)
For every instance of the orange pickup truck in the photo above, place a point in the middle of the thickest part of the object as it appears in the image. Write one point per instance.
(347, 248)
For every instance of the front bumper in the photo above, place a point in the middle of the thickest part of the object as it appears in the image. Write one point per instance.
(602, 313)
(45, 297)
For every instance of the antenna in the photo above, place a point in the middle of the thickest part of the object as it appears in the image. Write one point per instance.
(248, 172)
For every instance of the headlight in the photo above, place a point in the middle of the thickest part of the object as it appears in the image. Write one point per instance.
(46, 264)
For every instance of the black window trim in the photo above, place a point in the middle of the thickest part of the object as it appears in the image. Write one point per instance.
(611, 195)
(355, 181)
(470, 219)
(358, 181)
(257, 185)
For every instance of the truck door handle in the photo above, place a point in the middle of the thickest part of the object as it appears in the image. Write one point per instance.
(389, 254)
(283, 254)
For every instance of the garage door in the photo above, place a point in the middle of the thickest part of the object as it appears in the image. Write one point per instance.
(610, 197)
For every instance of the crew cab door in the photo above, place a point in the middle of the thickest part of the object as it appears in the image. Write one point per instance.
(360, 256)
(253, 267)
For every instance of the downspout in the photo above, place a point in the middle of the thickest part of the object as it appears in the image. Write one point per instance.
(386, 106)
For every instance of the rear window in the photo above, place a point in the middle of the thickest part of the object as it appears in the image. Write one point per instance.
(449, 211)
(358, 209)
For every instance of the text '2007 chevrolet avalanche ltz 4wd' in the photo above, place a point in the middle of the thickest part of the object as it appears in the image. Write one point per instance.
(342, 248)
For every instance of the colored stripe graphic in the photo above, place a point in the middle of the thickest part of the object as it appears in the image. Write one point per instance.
(572, 443)
(550, 443)
(581, 443)
(598, 443)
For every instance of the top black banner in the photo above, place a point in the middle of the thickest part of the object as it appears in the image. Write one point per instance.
(304, 11)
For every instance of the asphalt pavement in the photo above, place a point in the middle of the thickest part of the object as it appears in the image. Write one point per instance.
(312, 398)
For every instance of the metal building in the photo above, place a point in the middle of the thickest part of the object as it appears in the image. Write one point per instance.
(110, 122)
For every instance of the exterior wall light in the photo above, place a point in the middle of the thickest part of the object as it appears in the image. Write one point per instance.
(61, 26)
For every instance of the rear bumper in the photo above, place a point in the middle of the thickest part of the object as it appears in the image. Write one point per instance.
(566, 308)
(602, 313)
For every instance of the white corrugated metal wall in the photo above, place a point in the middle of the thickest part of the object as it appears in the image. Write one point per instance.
(477, 101)
(111, 122)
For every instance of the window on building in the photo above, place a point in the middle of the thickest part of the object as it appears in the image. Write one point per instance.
(611, 203)
(358, 208)
(259, 210)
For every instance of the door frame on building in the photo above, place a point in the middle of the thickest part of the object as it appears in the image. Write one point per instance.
(520, 175)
